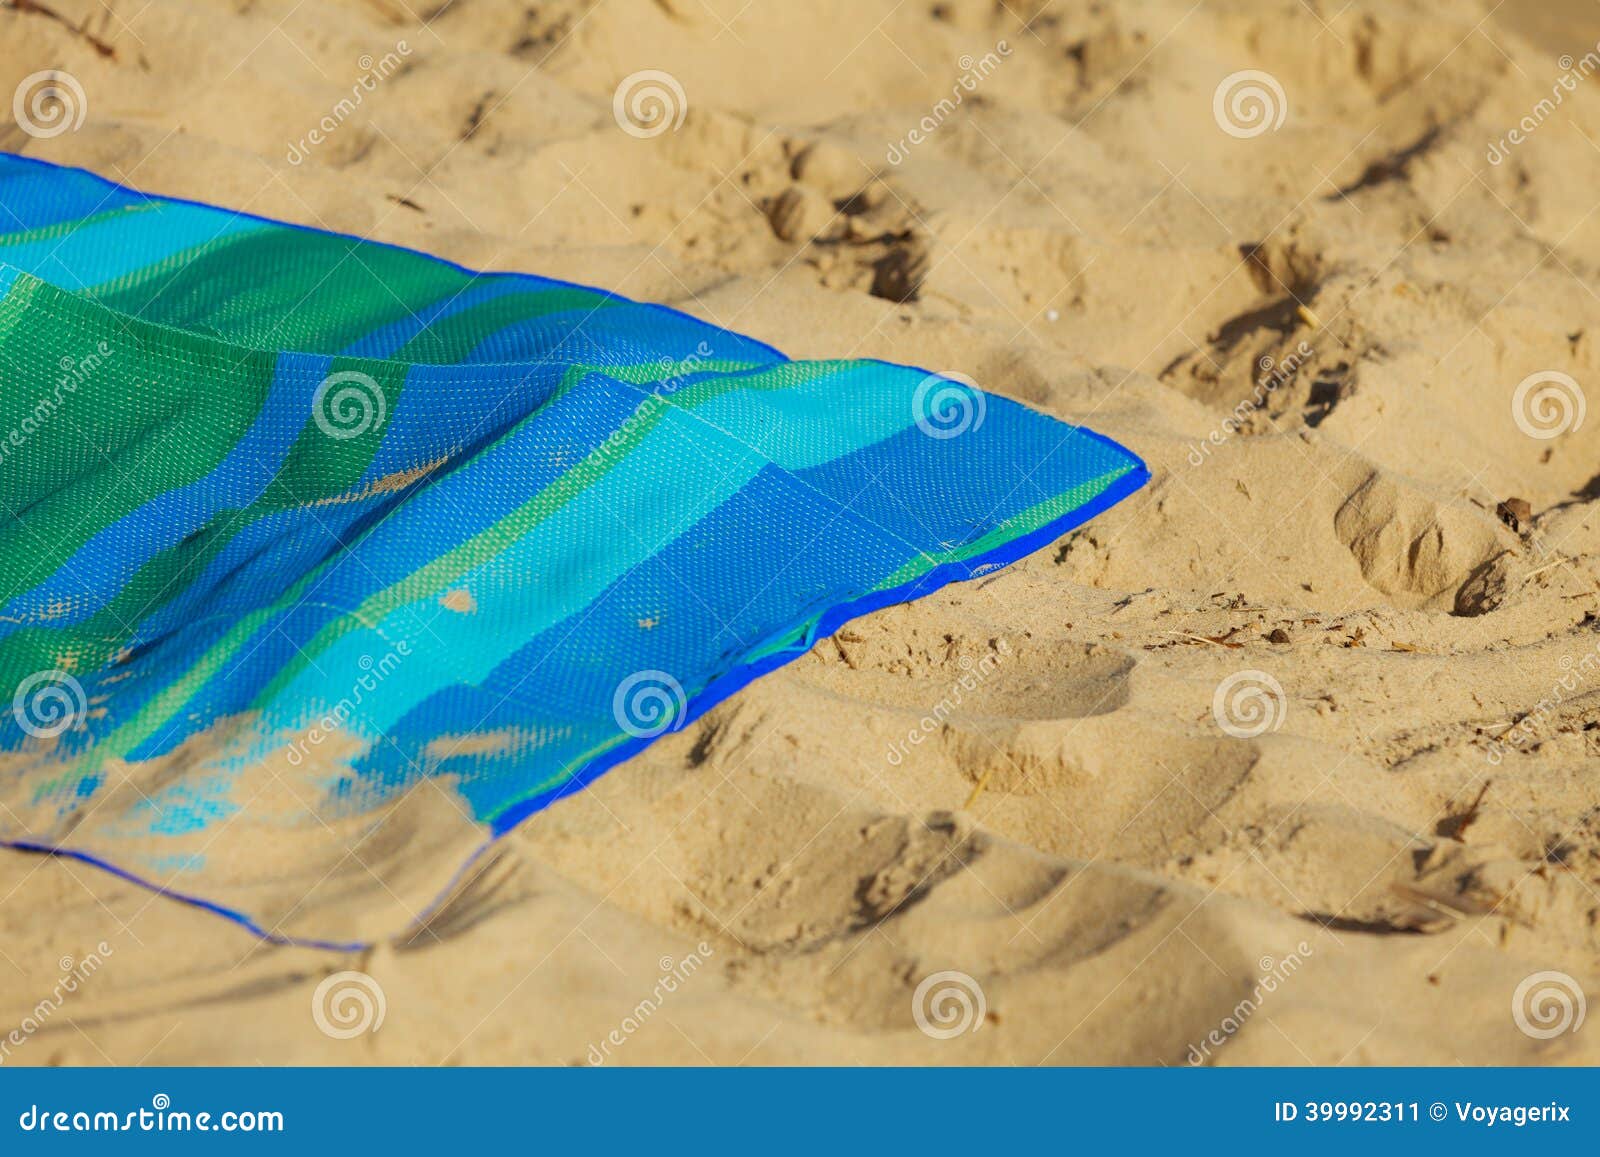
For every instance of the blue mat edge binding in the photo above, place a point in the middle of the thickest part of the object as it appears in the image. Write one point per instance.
(714, 693)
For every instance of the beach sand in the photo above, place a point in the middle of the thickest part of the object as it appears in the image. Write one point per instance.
(1290, 758)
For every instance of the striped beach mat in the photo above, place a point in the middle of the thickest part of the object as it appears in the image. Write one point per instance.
(326, 562)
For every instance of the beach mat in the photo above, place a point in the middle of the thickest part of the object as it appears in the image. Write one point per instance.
(325, 562)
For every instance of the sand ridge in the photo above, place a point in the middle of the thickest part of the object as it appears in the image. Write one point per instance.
(1295, 750)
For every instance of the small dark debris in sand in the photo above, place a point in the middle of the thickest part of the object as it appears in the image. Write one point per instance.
(1278, 635)
(476, 117)
(1404, 923)
(1515, 513)
(1559, 852)
(802, 215)
(1455, 827)
(34, 8)
(898, 274)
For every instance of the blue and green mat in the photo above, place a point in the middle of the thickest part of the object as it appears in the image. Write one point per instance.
(323, 560)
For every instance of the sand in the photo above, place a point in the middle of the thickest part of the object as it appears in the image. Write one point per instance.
(1005, 824)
